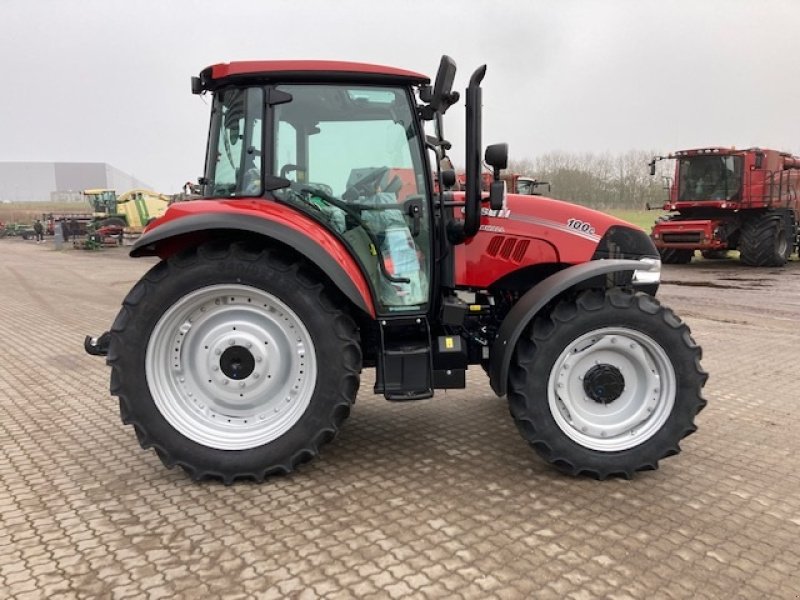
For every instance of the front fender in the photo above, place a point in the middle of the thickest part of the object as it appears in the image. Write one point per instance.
(533, 301)
(297, 231)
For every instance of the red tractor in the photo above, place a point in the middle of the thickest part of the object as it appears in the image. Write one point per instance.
(321, 249)
(728, 199)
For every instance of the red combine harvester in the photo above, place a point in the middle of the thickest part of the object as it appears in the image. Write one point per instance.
(728, 199)
(322, 248)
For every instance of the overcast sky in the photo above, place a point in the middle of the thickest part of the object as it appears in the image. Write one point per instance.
(108, 80)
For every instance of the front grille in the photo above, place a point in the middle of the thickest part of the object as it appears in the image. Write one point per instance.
(684, 237)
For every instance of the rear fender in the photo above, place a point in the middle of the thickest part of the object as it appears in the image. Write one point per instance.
(533, 301)
(304, 235)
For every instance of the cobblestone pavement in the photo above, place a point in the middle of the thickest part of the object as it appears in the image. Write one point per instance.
(439, 498)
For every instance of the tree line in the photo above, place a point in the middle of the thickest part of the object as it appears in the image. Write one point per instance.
(601, 181)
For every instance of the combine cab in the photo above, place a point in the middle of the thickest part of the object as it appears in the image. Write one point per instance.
(727, 199)
(323, 247)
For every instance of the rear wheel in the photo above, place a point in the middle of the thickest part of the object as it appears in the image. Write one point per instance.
(607, 384)
(217, 359)
(675, 256)
(764, 242)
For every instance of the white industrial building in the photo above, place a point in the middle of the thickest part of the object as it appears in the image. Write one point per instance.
(60, 181)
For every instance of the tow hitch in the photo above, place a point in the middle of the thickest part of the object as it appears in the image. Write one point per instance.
(97, 346)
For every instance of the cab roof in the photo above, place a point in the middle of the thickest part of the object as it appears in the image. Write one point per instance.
(253, 71)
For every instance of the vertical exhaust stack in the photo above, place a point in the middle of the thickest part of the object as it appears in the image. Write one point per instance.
(474, 107)
(459, 231)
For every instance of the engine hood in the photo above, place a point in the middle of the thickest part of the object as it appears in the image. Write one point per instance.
(536, 231)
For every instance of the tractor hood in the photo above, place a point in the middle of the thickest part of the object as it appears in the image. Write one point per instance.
(532, 231)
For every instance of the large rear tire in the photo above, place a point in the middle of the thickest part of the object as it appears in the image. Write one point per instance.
(233, 362)
(607, 384)
(764, 241)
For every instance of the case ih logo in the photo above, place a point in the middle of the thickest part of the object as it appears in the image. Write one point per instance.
(504, 213)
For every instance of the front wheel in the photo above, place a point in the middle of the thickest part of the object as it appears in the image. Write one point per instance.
(607, 384)
(233, 362)
(676, 256)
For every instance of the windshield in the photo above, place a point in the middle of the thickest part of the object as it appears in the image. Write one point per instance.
(710, 178)
(233, 165)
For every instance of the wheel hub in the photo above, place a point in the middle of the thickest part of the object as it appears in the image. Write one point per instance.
(604, 383)
(237, 363)
(231, 367)
(611, 389)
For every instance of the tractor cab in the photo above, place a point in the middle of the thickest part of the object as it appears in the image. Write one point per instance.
(373, 194)
(347, 149)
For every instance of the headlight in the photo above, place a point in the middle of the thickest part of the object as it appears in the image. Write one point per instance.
(650, 273)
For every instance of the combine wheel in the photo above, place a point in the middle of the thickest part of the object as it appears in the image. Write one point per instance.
(607, 384)
(764, 242)
(233, 363)
(675, 256)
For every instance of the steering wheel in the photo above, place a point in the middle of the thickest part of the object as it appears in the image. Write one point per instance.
(364, 184)
(286, 169)
(305, 190)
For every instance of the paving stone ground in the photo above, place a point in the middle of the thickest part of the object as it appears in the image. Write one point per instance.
(434, 499)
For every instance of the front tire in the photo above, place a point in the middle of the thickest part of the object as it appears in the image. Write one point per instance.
(676, 256)
(714, 254)
(606, 384)
(233, 362)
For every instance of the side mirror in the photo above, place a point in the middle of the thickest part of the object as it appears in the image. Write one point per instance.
(496, 156)
(497, 195)
(448, 179)
(652, 164)
(444, 80)
(441, 96)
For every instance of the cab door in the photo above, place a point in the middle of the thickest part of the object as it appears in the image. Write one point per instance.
(354, 157)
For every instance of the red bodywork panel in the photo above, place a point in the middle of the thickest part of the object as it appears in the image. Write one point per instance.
(697, 234)
(272, 211)
(531, 230)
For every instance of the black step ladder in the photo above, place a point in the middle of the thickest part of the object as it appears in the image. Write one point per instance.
(404, 370)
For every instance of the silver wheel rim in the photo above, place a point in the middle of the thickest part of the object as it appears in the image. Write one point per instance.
(639, 411)
(231, 367)
(782, 243)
